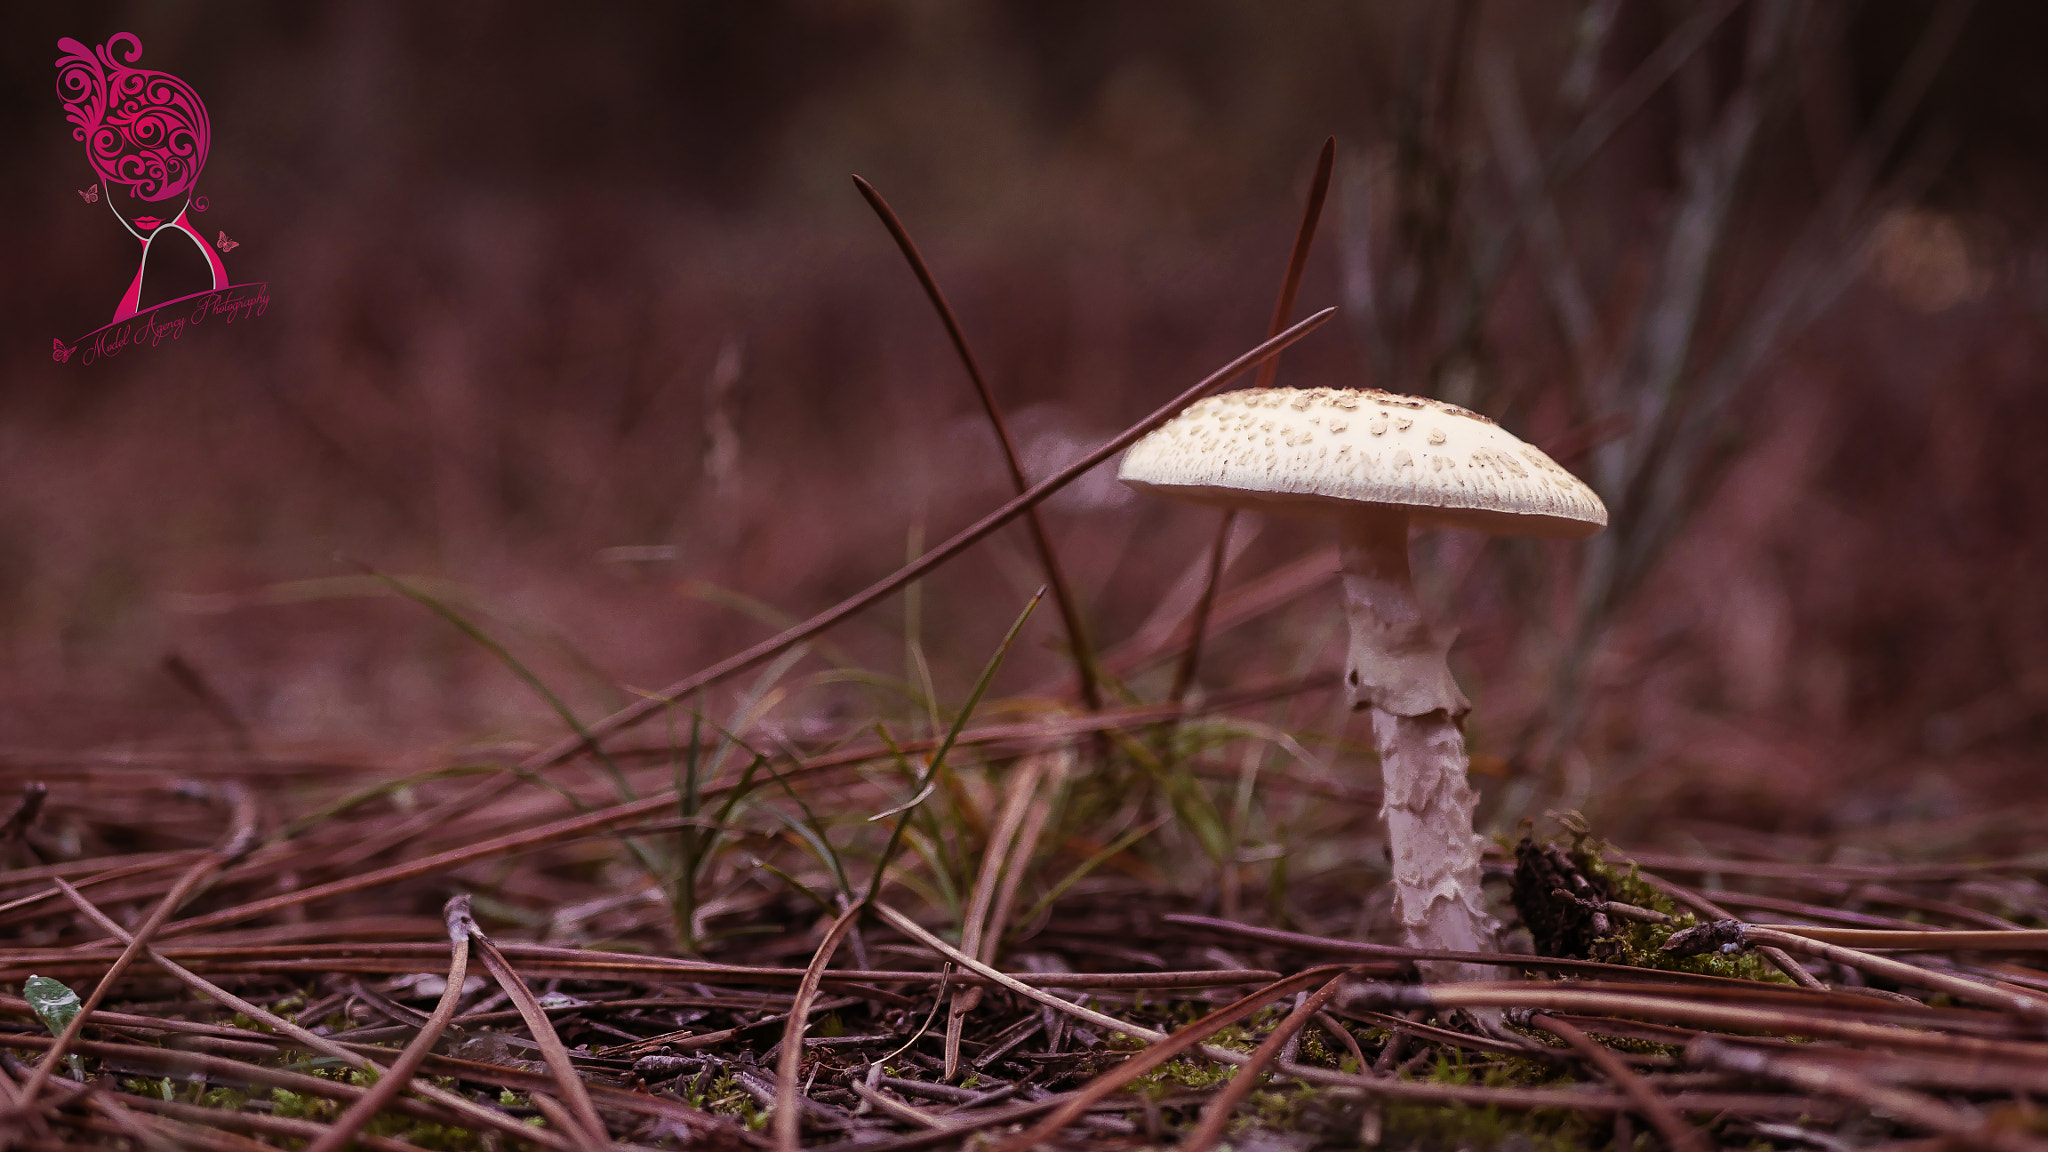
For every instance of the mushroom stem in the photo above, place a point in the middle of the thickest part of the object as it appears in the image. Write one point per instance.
(1397, 669)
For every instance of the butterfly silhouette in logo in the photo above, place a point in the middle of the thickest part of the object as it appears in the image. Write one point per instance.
(225, 244)
(60, 353)
(90, 195)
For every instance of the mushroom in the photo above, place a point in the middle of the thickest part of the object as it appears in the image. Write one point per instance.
(1378, 462)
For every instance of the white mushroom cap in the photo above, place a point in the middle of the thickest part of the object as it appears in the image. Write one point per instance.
(1325, 449)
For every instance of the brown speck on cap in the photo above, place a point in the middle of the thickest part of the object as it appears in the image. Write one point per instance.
(1452, 467)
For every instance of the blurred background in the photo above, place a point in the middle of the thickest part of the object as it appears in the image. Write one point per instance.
(578, 321)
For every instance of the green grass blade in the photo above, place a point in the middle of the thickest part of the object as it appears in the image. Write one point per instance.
(518, 668)
(1082, 869)
(938, 760)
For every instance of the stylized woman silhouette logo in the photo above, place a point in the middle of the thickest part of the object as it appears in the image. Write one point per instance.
(145, 134)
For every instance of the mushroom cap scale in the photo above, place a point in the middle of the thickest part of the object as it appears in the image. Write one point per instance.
(1326, 450)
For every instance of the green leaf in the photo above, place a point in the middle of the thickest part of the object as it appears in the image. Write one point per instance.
(55, 1004)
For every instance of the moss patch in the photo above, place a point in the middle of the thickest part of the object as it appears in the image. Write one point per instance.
(727, 1098)
(1481, 1128)
(1181, 1075)
(1640, 945)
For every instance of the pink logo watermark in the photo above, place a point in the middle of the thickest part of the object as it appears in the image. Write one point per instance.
(146, 134)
